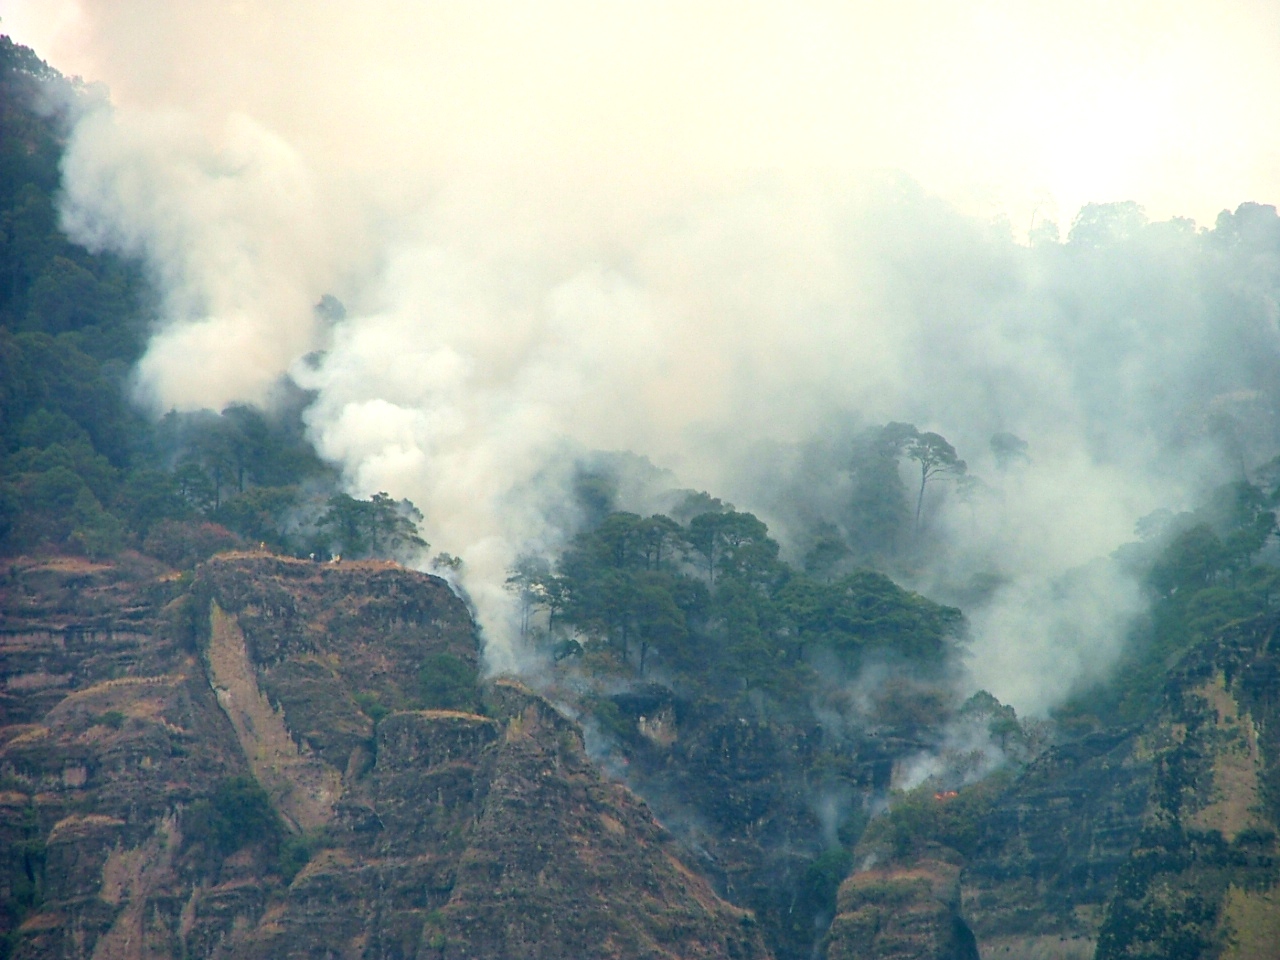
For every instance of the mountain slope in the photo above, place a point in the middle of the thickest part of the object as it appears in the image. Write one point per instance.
(1154, 840)
(193, 768)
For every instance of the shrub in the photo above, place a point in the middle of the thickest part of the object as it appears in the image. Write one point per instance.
(371, 706)
(296, 852)
(822, 880)
(446, 682)
(183, 544)
(237, 814)
(921, 816)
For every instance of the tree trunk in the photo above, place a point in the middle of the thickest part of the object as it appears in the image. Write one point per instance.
(924, 478)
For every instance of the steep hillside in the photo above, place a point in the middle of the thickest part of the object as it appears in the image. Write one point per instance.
(1201, 877)
(760, 710)
(902, 912)
(732, 748)
(281, 758)
(1156, 840)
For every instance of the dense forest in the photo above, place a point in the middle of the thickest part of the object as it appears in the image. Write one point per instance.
(84, 469)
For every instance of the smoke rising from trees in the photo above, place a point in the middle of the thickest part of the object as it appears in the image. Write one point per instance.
(575, 239)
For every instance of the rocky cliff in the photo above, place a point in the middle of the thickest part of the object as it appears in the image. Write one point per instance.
(1154, 842)
(275, 758)
(903, 912)
(766, 801)
(1158, 841)
(1048, 857)
(1201, 877)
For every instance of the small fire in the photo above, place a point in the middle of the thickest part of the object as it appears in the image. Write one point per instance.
(943, 795)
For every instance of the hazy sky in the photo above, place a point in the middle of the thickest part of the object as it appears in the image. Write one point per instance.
(999, 106)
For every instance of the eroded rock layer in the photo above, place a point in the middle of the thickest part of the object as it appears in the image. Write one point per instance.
(1160, 841)
(251, 764)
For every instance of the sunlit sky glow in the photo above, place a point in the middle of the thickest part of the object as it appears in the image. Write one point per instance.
(1002, 107)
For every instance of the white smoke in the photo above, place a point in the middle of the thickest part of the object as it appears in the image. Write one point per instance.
(231, 232)
(568, 226)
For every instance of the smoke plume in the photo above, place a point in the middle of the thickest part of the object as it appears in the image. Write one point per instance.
(718, 236)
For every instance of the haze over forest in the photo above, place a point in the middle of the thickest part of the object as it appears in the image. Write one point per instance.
(728, 239)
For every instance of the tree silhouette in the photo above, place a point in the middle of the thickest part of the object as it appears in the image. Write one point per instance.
(937, 457)
(377, 527)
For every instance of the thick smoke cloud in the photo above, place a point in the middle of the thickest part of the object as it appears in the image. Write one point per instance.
(567, 227)
(230, 233)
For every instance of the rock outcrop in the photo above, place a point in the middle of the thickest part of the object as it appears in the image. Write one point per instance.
(903, 912)
(1201, 878)
(1050, 853)
(757, 798)
(145, 714)
(275, 758)
(1153, 842)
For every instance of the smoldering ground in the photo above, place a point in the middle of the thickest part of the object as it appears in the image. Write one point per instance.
(574, 228)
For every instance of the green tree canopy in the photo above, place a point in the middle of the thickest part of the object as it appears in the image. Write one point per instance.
(377, 527)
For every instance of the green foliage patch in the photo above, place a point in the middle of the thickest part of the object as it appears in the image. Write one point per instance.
(446, 682)
(372, 706)
(713, 603)
(1206, 571)
(296, 851)
(82, 470)
(378, 526)
(236, 814)
(924, 816)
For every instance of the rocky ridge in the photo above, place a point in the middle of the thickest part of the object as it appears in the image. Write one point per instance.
(405, 810)
(144, 713)
(1158, 841)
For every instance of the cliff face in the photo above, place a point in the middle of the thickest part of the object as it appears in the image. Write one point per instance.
(193, 769)
(1159, 841)
(903, 912)
(761, 800)
(282, 759)
(110, 729)
(738, 790)
(1201, 877)
(1050, 853)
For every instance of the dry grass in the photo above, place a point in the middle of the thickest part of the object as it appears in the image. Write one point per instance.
(1237, 765)
(303, 785)
(1253, 925)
